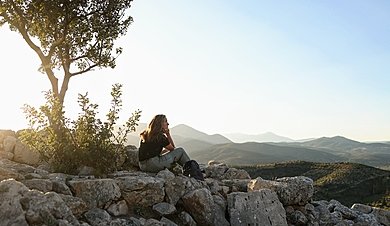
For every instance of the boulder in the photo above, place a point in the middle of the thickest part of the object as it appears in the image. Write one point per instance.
(141, 191)
(290, 190)
(96, 192)
(260, 207)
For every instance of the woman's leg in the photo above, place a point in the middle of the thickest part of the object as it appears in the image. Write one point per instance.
(158, 163)
(178, 155)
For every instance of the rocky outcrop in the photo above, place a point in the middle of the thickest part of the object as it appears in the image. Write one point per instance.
(30, 195)
(11, 148)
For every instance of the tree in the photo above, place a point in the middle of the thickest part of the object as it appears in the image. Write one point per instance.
(69, 37)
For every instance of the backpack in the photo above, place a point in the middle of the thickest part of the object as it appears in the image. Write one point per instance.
(192, 169)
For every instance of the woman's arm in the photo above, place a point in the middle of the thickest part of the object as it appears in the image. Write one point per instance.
(171, 145)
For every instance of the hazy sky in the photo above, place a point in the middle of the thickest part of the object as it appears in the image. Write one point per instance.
(296, 68)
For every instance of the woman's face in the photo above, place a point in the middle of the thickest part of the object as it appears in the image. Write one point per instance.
(165, 124)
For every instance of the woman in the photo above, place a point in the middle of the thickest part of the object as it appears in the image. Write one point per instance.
(157, 150)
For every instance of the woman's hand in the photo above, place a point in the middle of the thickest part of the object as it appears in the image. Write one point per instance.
(166, 131)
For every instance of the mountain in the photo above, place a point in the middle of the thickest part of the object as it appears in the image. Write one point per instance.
(184, 136)
(264, 137)
(204, 147)
(334, 143)
(256, 153)
(189, 132)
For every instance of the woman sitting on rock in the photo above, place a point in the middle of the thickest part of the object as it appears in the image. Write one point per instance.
(157, 150)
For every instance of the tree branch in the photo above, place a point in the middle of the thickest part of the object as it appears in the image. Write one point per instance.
(85, 70)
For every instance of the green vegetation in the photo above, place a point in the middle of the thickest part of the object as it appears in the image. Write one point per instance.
(68, 145)
(348, 183)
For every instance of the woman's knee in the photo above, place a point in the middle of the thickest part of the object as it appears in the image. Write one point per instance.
(180, 150)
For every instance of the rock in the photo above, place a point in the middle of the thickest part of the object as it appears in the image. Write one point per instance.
(220, 210)
(153, 222)
(75, 204)
(6, 173)
(96, 192)
(166, 175)
(186, 219)
(60, 187)
(345, 211)
(167, 222)
(179, 186)
(361, 208)
(9, 143)
(199, 203)
(6, 155)
(67, 200)
(260, 207)
(298, 218)
(216, 171)
(290, 190)
(233, 173)
(164, 208)
(23, 154)
(141, 191)
(46, 209)
(97, 217)
(382, 215)
(118, 209)
(236, 184)
(42, 185)
(11, 210)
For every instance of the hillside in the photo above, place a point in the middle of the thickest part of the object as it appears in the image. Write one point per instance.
(255, 153)
(373, 154)
(347, 182)
(264, 137)
(184, 136)
(189, 132)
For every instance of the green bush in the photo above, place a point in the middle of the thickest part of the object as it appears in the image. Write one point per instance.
(87, 141)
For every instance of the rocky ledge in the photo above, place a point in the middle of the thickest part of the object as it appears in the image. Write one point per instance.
(31, 195)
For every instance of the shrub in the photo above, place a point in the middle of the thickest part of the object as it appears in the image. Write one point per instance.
(87, 141)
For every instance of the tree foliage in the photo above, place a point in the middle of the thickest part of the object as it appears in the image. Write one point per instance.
(86, 141)
(72, 37)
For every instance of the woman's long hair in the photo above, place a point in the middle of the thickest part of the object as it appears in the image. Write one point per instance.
(154, 129)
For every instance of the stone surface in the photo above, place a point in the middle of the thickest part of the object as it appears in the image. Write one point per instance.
(96, 192)
(260, 207)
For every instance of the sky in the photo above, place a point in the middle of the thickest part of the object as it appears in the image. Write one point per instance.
(300, 69)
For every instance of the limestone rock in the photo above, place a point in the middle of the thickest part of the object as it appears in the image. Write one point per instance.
(23, 154)
(290, 190)
(233, 173)
(11, 210)
(75, 204)
(97, 217)
(199, 203)
(96, 192)
(179, 186)
(164, 208)
(6, 155)
(46, 209)
(42, 185)
(141, 191)
(186, 219)
(167, 222)
(9, 143)
(118, 209)
(260, 207)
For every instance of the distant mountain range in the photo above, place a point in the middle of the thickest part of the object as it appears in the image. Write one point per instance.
(264, 137)
(273, 148)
